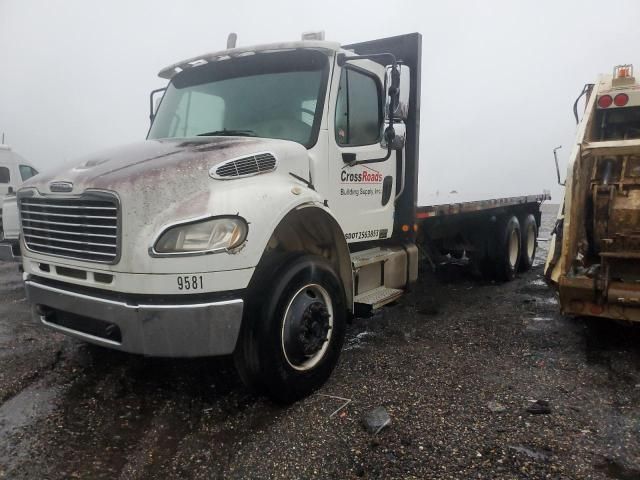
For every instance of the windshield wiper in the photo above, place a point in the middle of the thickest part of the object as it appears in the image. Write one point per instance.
(228, 133)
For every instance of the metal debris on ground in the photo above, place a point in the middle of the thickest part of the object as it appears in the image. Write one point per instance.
(539, 407)
(377, 419)
(346, 401)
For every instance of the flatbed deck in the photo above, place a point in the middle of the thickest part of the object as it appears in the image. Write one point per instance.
(444, 207)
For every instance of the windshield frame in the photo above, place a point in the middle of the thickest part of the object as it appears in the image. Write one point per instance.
(322, 91)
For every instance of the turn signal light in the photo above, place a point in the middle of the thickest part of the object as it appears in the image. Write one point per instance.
(621, 100)
(605, 101)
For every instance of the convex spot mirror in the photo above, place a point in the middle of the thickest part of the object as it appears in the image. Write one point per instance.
(401, 110)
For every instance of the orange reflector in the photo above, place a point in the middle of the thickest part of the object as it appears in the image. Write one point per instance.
(596, 309)
(405, 228)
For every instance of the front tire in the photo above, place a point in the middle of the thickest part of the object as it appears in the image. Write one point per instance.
(293, 329)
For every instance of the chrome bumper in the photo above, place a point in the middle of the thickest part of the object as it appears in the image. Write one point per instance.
(7, 253)
(165, 330)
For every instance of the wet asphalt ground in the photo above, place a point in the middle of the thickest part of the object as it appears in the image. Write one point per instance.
(456, 363)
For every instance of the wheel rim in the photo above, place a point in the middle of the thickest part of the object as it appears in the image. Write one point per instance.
(514, 244)
(307, 327)
(531, 241)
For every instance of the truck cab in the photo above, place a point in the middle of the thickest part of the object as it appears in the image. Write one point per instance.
(14, 170)
(594, 259)
(268, 200)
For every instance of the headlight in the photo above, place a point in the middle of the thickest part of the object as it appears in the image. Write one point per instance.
(202, 236)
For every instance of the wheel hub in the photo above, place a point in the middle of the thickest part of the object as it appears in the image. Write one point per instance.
(314, 328)
(307, 327)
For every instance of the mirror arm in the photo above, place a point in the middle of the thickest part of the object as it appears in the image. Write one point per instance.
(354, 162)
(153, 92)
(555, 155)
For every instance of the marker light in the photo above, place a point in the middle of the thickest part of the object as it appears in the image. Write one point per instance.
(605, 101)
(621, 99)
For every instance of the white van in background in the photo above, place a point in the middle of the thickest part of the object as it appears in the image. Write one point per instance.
(14, 171)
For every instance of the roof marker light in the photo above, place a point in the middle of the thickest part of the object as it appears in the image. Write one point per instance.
(621, 100)
(605, 101)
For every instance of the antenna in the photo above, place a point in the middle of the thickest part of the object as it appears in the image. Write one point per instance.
(231, 40)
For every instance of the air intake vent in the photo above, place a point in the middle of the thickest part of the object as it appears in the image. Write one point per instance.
(245, 166)
(82, 228)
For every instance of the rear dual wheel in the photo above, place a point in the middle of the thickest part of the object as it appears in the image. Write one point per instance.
(507, 248)
(529, 245)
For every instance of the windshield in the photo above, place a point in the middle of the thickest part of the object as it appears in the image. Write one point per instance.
(272, 95)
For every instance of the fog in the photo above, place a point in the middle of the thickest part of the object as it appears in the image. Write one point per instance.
(499, 78)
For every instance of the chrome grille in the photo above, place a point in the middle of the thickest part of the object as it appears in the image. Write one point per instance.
(83, 228)
(245, 166)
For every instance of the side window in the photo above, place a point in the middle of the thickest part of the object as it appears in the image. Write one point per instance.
(27, 172)
(358, 114)
(4, 175)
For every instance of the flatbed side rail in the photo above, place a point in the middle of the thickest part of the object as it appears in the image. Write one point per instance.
(478, 205)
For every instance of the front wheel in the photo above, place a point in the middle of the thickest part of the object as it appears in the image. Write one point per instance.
(293, 329)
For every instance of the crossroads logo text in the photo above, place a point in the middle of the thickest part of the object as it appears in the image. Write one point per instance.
(364, 183)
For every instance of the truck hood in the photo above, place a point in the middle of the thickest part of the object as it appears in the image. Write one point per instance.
(156, 164)
(161, 182)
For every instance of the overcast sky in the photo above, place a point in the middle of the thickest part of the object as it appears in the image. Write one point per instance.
(498, 82)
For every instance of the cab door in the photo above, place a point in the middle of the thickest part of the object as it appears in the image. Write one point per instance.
(360, 196)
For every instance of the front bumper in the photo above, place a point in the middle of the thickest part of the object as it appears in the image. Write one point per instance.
(153, 328)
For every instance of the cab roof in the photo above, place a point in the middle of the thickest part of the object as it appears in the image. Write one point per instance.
(172, 70)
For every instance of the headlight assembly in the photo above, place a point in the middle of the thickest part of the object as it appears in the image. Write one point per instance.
(201, 236)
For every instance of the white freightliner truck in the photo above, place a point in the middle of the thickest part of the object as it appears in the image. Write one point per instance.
(274, 195)
(14, 170)
(594, 256)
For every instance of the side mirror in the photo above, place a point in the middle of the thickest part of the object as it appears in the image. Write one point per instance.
(403, 90)
(397, 143)
(555, 156)
(154, 101)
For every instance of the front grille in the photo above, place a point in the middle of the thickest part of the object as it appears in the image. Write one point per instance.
(83, 228)
(252, 165)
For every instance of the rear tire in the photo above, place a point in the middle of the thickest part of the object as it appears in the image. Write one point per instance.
(293, 329)
(507, 248)
(529, 245)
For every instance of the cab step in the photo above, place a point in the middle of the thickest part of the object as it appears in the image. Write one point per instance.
(378, 297)
(381, 275)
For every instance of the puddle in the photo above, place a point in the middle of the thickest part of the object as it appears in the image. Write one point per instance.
(31, 404)
(538, 282)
